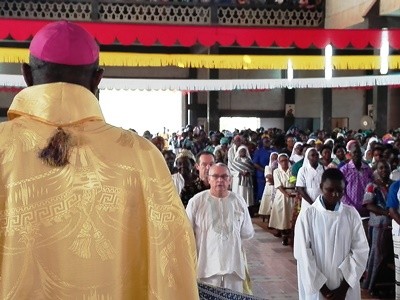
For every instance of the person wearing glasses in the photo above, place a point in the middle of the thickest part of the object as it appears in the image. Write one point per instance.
(221, 221)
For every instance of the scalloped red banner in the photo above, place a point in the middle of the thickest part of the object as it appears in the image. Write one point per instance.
(168, 35)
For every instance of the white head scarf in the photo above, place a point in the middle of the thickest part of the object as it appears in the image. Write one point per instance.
(306, 162)
(329, 140)
(370, 141)
(279, 165)
(294, 156)
(309, 141)
(240, 148)
(272, 164)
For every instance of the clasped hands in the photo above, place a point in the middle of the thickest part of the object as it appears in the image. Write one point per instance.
(336, 294)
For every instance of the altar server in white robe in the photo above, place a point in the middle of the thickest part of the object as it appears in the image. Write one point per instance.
(221, 220)
(309, 178)
(330, 245)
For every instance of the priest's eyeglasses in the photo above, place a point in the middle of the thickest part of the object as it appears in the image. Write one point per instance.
(223, 176)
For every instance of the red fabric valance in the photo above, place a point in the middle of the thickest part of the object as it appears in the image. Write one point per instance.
(168, 35)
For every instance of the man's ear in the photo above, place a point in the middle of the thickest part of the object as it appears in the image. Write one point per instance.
(97, 76)
(27, 73)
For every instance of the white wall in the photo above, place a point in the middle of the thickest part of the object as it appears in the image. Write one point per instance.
(272, 123)
(308, 103)
(394, 109)
(349, 103)
(251, 100)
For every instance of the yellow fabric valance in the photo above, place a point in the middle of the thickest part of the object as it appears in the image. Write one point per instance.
(246, 62)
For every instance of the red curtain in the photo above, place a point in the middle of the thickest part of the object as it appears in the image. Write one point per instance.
(168, 35)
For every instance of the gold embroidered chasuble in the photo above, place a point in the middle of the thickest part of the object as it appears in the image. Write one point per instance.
(109, 225)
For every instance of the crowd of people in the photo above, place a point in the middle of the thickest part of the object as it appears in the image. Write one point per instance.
(279, 174)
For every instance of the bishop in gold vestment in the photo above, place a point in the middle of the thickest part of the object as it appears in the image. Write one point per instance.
(108, 225)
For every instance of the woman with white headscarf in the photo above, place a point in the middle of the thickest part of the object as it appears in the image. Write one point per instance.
(368, 154)
(282, 207)
(269, 190)
(309, 178)
(329, 141)
(242, 175)
(311, 142)
(296, 153)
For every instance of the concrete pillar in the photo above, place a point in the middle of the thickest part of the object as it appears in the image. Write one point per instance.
(381, 102)
(212, 98)
(326, 113)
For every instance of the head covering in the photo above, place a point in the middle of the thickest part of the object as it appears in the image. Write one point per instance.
(64, 43)
(387, 138)
(282, 154)
(279, 155)
(340, 135)
(147, 135)
(224, 140)
(294, 157)
(228, 134)
(240, 148)
(350, 144)
(237, 138)
(306, 163)
(329, 140)
(370, 141)
(273, 164)
(310, 140)
(186, 153)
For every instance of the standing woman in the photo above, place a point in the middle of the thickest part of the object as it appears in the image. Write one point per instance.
(379, 232)
(269, 190)
(339, 152)
(243, 170)
(326, 156)
(296, 153)
(282, 207)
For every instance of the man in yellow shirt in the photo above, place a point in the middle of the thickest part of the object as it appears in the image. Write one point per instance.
(88, 210)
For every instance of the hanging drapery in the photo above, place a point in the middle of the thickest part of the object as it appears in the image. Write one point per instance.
(242, 62)
(187, 36)
(230, 84)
